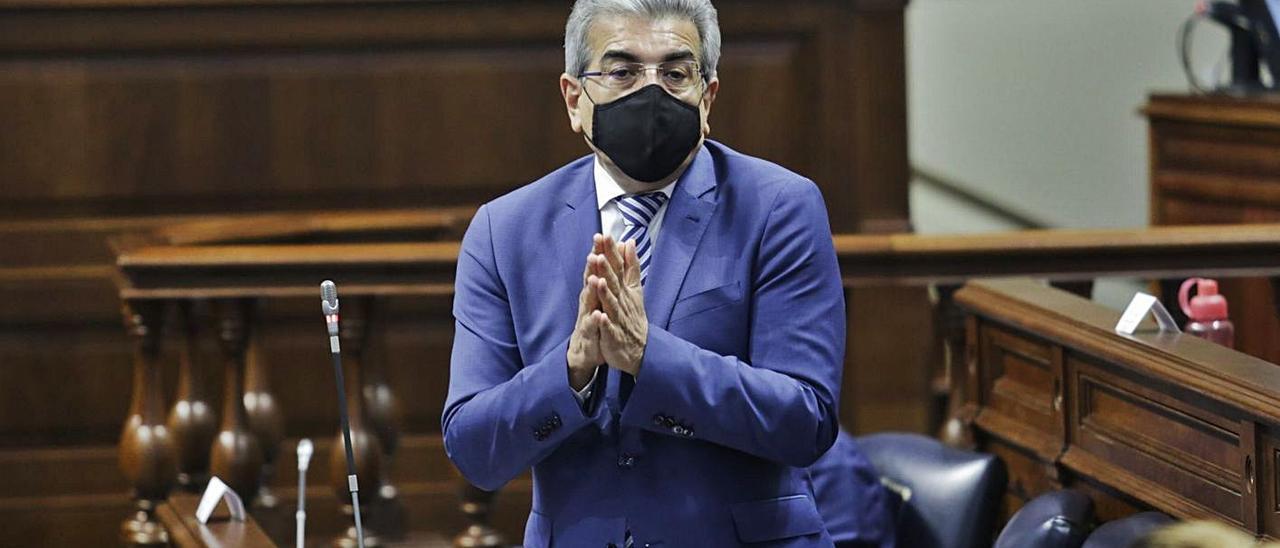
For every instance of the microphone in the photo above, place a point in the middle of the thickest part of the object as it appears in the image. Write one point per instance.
(304, 461)
(329, 305)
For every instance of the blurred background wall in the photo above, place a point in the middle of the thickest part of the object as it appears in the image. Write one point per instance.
(1032, 107)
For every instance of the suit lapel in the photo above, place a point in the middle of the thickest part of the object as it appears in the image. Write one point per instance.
(578, 221)
(686, 220)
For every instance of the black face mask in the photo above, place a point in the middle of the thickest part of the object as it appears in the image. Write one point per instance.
(647, 134)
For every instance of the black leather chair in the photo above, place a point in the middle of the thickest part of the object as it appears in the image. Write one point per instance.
(950, 496)
(1122, 533)
(1057, 519)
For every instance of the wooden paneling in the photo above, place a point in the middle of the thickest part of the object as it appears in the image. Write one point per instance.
(183, 108)
(886, 375)
(1268, 480)
(1021, 387)
(1159, 438)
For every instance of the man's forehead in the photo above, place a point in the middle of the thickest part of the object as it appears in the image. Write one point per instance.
(643, 36)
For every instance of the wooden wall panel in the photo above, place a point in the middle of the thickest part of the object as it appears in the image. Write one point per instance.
(198, 112)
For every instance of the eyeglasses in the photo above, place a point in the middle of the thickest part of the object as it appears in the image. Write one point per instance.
(678, 77)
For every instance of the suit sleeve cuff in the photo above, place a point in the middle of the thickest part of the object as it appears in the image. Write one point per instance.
(560, 412)
(660, 400)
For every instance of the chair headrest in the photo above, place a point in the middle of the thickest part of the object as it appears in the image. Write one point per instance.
(1123, 532)
(955, 493)
(1057, 519)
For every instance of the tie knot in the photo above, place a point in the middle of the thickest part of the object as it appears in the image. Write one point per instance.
(640, 209)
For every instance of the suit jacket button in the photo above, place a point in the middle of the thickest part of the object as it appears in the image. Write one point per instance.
(679, 430)
(626, 461)
(659, 420)
(668, 422)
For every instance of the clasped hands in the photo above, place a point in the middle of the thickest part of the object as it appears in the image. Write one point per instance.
(612, 327)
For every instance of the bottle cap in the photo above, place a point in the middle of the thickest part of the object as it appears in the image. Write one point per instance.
(1207, 305)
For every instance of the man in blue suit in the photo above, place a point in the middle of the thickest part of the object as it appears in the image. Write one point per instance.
(657, 329)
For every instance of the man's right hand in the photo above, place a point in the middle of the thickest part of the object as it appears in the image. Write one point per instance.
(584, 345)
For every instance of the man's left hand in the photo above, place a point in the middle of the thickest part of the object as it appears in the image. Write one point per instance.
(624, 329)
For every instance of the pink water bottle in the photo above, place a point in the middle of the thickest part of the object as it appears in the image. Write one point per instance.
(1207, 312)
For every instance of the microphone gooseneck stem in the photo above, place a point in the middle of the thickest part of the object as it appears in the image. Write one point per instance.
(301, 516)
(346, 438)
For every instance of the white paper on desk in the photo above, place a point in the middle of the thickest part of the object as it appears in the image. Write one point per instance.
(1142, 304)
(217, 490)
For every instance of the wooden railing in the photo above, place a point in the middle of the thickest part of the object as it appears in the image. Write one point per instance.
(1061, 255)
(229, 267)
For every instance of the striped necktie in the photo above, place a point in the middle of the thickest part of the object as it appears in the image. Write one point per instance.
(638, 210)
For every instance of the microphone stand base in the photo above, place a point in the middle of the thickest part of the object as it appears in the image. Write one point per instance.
(143, 530)
(478, 536)
(266, 498)
(348, 538)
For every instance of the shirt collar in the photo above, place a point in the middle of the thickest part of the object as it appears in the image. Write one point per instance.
(607, 189)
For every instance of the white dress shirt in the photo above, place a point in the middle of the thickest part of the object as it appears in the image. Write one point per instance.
(613, 224)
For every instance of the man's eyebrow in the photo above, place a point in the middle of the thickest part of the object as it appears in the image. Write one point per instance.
(619, 55)
(623, 55)
(683, 55)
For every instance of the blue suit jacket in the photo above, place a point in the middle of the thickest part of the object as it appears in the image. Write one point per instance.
(739, 383)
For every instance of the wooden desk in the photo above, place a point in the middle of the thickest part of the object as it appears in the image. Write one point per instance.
(1216, 160)
(1161, 421)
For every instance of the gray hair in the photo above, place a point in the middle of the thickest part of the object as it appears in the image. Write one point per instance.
(577, 56)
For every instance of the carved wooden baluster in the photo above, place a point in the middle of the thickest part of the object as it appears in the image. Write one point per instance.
(192, 420)
(381, 405)
(476, 506)
(354, 331)
(265, 419)
(146, 450)
(237, 454)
